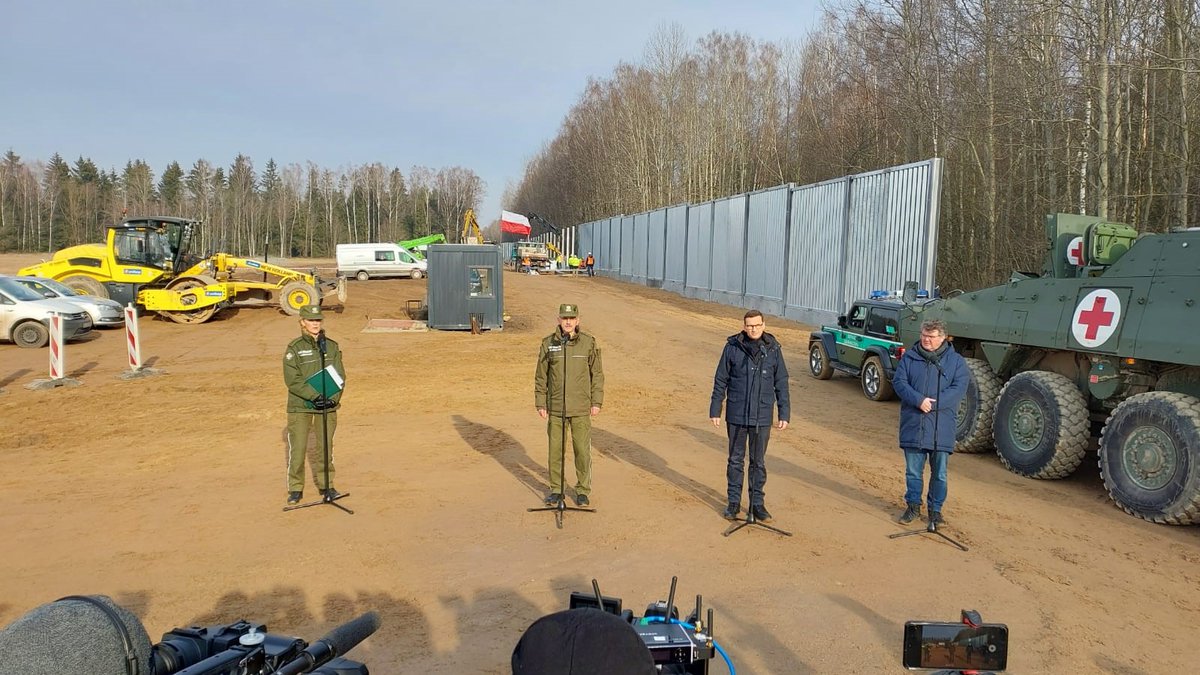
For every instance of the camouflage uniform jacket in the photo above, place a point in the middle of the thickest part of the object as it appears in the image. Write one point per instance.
(584, 374)
(301, 361)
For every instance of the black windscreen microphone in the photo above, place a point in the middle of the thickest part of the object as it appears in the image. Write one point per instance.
(339, 641)
(321, 342)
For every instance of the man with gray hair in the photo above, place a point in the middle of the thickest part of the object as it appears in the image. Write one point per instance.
(930, 381)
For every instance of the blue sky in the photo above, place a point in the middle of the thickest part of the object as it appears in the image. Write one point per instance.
(438, 84)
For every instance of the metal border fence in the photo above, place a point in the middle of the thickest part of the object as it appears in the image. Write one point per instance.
(801, 252)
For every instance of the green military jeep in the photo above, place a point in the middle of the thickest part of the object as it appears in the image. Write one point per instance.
(865, 344)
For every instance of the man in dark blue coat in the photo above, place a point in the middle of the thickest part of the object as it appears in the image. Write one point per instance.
(751, 379)
(931, 380)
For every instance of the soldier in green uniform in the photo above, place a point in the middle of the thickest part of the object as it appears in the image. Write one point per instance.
(568, 390)
(307, 405)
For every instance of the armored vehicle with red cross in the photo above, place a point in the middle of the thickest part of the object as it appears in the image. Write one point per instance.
(1105, 338)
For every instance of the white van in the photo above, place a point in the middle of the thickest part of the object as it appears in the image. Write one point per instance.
(364, 261)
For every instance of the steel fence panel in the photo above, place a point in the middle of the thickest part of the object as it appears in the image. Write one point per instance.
(889, 233)
(641, 226)
(729, 244)
(628, 246)
(676, 246)
(815, 246)
(656, 236)
(699, 246)
(766, 238)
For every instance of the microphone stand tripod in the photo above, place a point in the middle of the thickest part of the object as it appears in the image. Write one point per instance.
(561, 507)
(325, 496)
(932, 528)
(750, 519)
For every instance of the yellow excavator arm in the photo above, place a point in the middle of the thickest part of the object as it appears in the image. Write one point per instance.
(471, 233)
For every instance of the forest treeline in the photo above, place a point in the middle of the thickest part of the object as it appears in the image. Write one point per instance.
(1037, 106)
(285, 211)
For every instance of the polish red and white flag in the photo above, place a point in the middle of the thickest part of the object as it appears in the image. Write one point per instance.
(514, 223)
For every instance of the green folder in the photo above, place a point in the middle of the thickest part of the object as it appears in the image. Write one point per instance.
(327, 382)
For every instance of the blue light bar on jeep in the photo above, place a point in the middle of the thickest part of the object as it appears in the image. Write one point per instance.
(886, 295)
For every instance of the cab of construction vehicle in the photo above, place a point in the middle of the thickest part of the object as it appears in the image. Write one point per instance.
(142, 246)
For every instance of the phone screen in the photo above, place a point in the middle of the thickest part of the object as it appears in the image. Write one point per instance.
(955, 646)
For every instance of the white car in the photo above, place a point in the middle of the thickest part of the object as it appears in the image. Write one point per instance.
(25, 316)
(104, 311)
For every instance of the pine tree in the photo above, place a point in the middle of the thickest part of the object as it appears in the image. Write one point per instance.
(170, 188)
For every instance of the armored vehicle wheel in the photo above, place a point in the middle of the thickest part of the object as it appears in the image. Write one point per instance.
(195, 315)
(973, 432)
(297, 294)
(31, 335)
(362, 275)
(1041, 425)
(818, 361)
(875, 384)
(417, 274)
(86, 285)
(1150, 457)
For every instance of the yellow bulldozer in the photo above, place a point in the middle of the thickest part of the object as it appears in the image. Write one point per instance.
(148, 261)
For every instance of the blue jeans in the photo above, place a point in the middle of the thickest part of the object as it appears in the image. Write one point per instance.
(914, 471)
(745, 441)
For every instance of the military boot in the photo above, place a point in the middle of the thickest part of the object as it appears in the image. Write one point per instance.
(911, 513)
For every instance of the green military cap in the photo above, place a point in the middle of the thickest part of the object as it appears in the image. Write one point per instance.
(311, 312)
(568, 311)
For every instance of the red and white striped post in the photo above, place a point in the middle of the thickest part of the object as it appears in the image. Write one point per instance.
(56, 347)
(132, 340)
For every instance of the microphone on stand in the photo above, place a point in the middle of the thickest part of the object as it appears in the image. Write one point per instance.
(321, 342)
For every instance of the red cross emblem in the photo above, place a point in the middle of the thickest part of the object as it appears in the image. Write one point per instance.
(1096, 317)
(1075, 251)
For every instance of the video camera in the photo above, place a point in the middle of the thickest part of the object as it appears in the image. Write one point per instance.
(244, 648)
(677, 647)
(93, 635)
(967, 646)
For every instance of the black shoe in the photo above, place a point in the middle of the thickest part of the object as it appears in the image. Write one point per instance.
(732, 511)
(935, 518)
(331, 494)
(582, 500)
(760, 513)
(910, 514)
(294, 497)
(553, 499)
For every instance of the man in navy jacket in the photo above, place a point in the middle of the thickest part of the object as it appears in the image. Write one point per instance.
(751, 379)
(931, 380)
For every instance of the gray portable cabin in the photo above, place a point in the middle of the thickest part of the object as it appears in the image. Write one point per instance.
(465, 280)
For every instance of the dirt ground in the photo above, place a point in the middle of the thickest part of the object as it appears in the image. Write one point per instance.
(167, 493)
